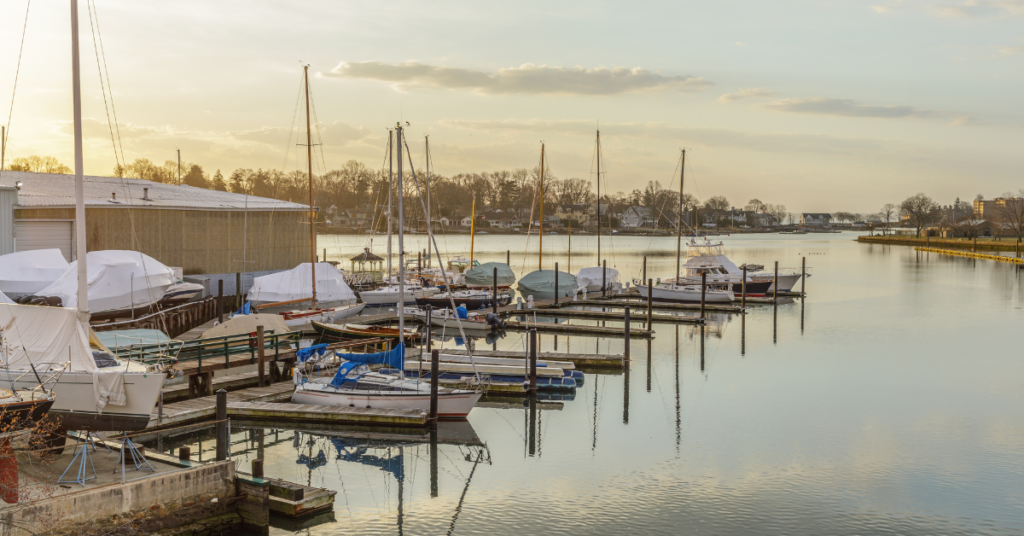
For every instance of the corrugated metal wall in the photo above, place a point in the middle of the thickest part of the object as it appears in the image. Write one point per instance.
(8, 198)
(201, 242)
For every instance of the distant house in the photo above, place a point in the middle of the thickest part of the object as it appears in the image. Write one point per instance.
(762, 219)
(809, 219)
(467, 221)
(354, 218)
(636, 216)
(500, 218)
(445, 221)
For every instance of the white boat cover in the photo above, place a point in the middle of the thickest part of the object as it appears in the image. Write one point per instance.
(26, 272)
(118, 280)
(5, 299)
(245, 324)
(295, 284)
(591, 279)
(46, 337)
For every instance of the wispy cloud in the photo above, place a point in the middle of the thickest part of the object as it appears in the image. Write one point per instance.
(1011, 50)
(979, 8)
(527, 78)
(747, 93)
(847, 108)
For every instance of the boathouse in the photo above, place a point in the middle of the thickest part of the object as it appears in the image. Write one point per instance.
(202, 231)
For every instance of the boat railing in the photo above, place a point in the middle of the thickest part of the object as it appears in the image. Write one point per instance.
(211, 348)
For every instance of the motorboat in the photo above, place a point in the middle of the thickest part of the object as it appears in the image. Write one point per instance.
(388, 295)
(301, 318)
(472, 299)
(540, 284)
(180, 292)
(709, 257)
(670, 292)
(481, 276)
(26, 272)
(597, 278)
(360, 331)
(94, 389)
(475, 322)
(355, 385)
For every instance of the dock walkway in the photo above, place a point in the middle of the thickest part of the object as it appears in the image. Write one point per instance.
(325, 414)
(198, 409)
(579, 360)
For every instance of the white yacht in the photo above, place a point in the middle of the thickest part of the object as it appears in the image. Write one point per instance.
(707, 256)
(667, 291)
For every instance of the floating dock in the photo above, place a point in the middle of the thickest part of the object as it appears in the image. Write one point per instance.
(614, 316)
(579, 360)
(570, 329)
(639, 308)
(970, 255)
(198, 409)
(255, 411)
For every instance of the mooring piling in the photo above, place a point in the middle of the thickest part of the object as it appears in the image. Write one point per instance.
(625, 339)
(604, 278)
(743, 288)
(533, 361)
(222, 425)
(261, 352)
(775, 283)
(238, 290)
(650, 302)
(184, 454)
(803, 276)
(494, 292)
(703, 291)
(556, 284)
(257, 466)
(435, 360)
(644, 277)
(220, 301)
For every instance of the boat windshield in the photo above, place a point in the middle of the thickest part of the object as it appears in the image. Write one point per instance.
(703, 249)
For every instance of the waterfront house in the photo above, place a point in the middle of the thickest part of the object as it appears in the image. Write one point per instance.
(813, 219)
(637, 216)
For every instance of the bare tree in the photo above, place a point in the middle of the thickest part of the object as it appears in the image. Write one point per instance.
(888, 211)
(1010, 213)
(920, 209)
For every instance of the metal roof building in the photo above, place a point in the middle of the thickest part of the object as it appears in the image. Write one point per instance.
(202, 231)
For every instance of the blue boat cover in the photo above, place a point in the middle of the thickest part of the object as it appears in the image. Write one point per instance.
(462, 312)
(244, 309)
(341, 376)
(308, 352)
(394, 358)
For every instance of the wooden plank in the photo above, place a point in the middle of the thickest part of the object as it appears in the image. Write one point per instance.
(580, 360)
(639, 307)
(615, 316)
(203, 408)
(328, 414)
(595, 331)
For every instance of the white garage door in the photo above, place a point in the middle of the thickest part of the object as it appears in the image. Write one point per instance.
(29, 235)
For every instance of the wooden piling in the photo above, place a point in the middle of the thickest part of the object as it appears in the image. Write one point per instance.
(508, 257)
(556, 283)
(257, 467)
(703, 291)
(435, 359)
(803, 275)
(261, 352)
(604, 277)
(775, 282)
(325, 254)
(426, 328)
(222, 425)
(533, 361)
(184, 454)
(743, 288)
(644, 277)
(650, 302)
(494, 291)
(625, 340)
(220, 301)
(238, 290)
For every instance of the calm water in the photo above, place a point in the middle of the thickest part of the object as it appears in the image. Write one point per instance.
(891, 402)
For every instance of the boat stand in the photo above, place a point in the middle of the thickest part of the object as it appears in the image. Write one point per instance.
(138, 460)
(81, 457)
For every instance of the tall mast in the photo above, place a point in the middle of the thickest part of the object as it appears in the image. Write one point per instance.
(312, 214)
(599, 197)
(540, 248)
(472, 232)
(80, 250)
(679, 222)
(426, 140)
(391, 175)
(401, 241)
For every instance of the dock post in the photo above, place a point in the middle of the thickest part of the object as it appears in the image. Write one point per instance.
(650, 302)
(261, 352)
(556, 284)
(644, 278)
(494, 292)
(533, 360)
(625, 335)
(703, 291)
(238, 290)
(974, 248)
(430, 310)
(222, 425)
(433, 463)
(604, 278)
(419, 261)
(743, 288)
(325, 254)
(775, 283)
(435, 358)
(508, 257)
(220, 301)
(803, 276)
(257, 467)
(184, 454)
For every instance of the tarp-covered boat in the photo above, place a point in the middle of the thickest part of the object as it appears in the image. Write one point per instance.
(592, 279)
(541, 285)
(483, 276)
(296, 284)
(118, 281)
(26, 272)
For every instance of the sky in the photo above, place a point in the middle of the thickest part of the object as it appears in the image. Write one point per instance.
(820, 105)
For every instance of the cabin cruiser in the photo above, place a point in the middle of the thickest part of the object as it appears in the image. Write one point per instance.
(709, 257)
(389, 295)
(671, 292)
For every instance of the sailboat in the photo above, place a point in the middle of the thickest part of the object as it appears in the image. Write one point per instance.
(94, 389)
(679, 289)
(354, 384)
(540, 283)
(598, 278)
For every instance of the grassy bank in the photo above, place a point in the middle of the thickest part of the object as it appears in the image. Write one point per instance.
(983, 244)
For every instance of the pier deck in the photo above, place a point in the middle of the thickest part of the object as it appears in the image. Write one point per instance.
(198, 409)
(279, 412)
(615, 316)
(579, 360)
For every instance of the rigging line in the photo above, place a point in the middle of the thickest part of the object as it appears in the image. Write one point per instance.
(291, 128)
(17, 71)
(316, 123)
(103, 89)
(113, 108)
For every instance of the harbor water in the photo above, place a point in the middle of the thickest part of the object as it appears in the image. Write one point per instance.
(890, 401)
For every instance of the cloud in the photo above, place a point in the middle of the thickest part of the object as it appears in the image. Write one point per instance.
(979, 8)
(1010, 50)
(881, 9)
(847, 108)
(527, 78)
(749, 93)
(966, 121)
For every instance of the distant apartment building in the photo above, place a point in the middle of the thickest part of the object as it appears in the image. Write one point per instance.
(812, 219)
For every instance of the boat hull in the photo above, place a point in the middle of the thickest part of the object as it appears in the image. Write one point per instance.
(302, 319)
(685, 295)
(16, 414)
(786, 281)
(75, 404)
(342, 332)
(374, 297)
(454, 405)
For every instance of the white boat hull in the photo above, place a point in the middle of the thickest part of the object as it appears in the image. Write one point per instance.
(75, 405)
(452, 405)
(302, 319)
(786, 281)
(390, 297)
(683, 294)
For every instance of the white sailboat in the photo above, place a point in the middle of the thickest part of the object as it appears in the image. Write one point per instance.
(95, 390)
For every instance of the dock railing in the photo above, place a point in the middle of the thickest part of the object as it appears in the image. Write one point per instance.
(212, 348)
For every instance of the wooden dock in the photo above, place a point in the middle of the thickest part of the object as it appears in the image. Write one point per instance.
(198, 409)
(570, 329)
(614, 316)
(639, 308)
(258, 410)
(972, 255)
(579, 360)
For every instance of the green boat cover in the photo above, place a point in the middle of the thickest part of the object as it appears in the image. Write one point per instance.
(541, 285)
(483, 275)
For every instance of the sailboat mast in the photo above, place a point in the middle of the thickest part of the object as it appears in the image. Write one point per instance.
(679, 222)
(570, 248)
(391, 174)
(540, 247)
(312, 214)
(472, 231)
(426, 142)
(80, 250)
(598, 197)
(401, 241)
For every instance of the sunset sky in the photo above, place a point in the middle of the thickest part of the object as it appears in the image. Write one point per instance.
(819, 105)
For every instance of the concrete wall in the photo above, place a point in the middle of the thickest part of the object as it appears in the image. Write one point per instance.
(165, 489)
(8, 198)
(199, 241)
